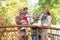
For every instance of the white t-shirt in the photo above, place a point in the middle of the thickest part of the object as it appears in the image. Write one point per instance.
(38, 23)
(48, 21)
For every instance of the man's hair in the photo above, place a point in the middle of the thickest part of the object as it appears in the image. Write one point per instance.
(25, 8)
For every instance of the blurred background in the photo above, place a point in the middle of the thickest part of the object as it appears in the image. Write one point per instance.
(9, 9)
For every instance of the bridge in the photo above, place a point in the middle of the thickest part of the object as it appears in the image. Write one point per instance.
(12, 33)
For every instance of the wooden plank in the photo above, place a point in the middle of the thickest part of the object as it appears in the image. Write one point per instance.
(54, 34)
(37, 34)
(32, 26)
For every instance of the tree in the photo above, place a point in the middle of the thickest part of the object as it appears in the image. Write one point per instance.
(8, 11)
(53, 5)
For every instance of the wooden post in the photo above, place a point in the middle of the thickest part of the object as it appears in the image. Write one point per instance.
(37, 34)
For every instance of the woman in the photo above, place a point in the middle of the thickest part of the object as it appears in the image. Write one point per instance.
(46, 21)
(36, 22)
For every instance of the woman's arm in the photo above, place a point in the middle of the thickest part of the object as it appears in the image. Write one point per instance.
(49, 18)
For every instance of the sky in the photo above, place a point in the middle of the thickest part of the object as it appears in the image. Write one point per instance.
(32, 2)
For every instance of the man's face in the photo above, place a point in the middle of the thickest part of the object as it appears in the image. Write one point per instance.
(26, 9)
(35, 16)
(20, 11)
(24, 12)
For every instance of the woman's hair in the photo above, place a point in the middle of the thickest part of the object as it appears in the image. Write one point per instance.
(37, 14)
(48, 11)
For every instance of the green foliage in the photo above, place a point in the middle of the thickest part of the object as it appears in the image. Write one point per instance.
(56, 16)
(53, 5)
(9, 9)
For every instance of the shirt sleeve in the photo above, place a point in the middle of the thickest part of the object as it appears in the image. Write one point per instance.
(49, 18)
(39, 23)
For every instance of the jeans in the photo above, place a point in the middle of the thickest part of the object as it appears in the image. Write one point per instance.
(34, 37)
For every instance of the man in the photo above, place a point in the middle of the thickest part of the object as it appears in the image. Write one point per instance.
(18, 19)
(19, 16)
(23, 19)
(28, 15)
(29, 18)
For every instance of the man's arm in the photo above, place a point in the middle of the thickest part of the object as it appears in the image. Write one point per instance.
(17, 20)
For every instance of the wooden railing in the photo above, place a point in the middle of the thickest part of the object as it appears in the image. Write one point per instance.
(31, 26)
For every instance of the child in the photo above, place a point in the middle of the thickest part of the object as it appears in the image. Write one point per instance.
(37, 22)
